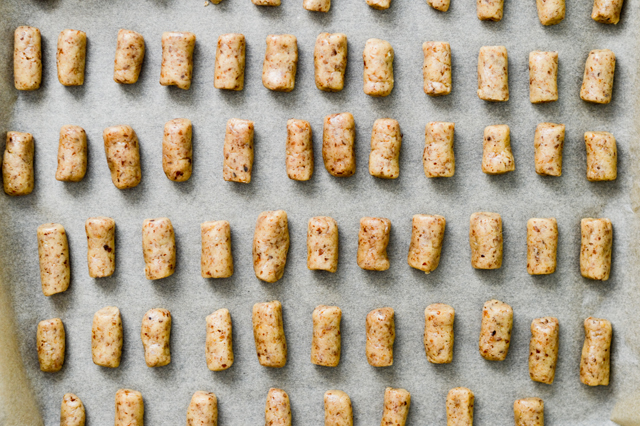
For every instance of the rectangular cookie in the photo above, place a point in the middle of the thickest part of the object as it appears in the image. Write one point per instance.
(177, 59)
(277, 411)
(396, 407)
(528, 412)
(438, 333)
(485, 238)
(122, 149)
(337, 409)
(550, 12)
(597, 83)
(317, 5)
(203, 409)
(326, 344)
(606, 11)
(438, 158)
(266, 2)
(268, 333)
(602, 156)
(51, 340)
(490, 10)
(27, 58)
(386, 140)
(72, 411)
(17, 164)
(53, 251)
(595, 363)
(159, 248)
(216, 259)
(373, 239)
(72, 154)
(460, 403)
(381, 334)
(497, 157)
(379, 4)
(219, 343)
(271, 245)
(107, 337)
(543, 349)
(299, 150)
(329, 58)
(595, 249)
(378, 67)
(71, 57)
(129, 408)
(338, 144)
(548, 145)
(280, 63)
(156, 336)
(543, 76)
(427, 233)
(101, 246)
(436, 70)
(542, 246)
(177, 151)
(130, 51)
(322, 244)
(440, 5)
(238, 151)
(493, 72)
(230, 62)
(495, 333)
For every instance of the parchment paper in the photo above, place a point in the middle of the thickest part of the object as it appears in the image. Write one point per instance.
(242, 389)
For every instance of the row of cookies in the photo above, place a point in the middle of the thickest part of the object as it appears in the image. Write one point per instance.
(330, 60)
(122, 149)
(326, 346)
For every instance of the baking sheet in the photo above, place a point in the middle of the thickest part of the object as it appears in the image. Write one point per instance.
(242, 389)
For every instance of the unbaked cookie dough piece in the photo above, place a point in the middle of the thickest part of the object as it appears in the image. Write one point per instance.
(379, 4)
(27, 58)
(17, 164)
(485, 238)
(156, 334)
(129, 408)
(71, 56)
(438, 158)
(427, 233)
(123, 156)
(72, 411)
(543, 76)
(396, 407)
(438, 333)
(238, 151)
(528, 412)
(606, 11)
(322, 244)
(381, 334)
(597, 83)
(595, 250)
(107, 337)
(548, 144)
(51, 345)
(268, 333)
(230, 62)
(101, 246)
(378, 67)
(338, 144)
(386, 140)
(177, 151)
(543, 349)
(602, 156)
(271, 245)
(495, 333)
(177, 59)
(373, 239)
(159, 248)
(493, 73)
(72, 154)
(595, 364)
(219, 343)
(266, 2)
(129, 56)
(330, 60)
(490, 10)
(440, 5)
(550, 12)
(299, 150)
(280, 63)
(203, 409)
(216, 259)
(337, 409)
(317, 5)
(326, 344)
(436, 70)
(277, 411)
(53, 251)
(542, 246)
(460, 407)
(497, 157)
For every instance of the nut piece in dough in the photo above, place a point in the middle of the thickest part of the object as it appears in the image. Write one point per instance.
(597, 83)
(238, 151)
(490, 10)
(460, 407)
(27, 58)
(438, 158)
(271, 245)
(326, 344)
(381, 334)
(386, 140)
(497, 157)
(129, 56)
(277, 411)
(378, 67)
(72, 411)
(177, 59)
(427, 233)
(493, 73)
(53, 251)
(543, 76)
(230, 62)
(71, 57)
(123, 156)
(485, 238)
(317, 5)
(299, 150)
(338, 144)
(280, 63)
(322, 244)
(129, 408)
(159, 248)
(495, 333)
(438, 333)
(177, 152)
(51, 339)
(203, 409)
(548, 144)
(606, 11)
(72, 154)
(595, 364)
(436, 70)
(528, 412)
(330, 60)
(396, 407)
(17, 164)
(373, 239)
(101, 246)
(543, 349)
(268, 333)
(156, 334)
(542, 246)
(595, 250)
(337, 409)
(219, 344)
(550, 12)
(106, 337)
(216, 259)
(602, 156)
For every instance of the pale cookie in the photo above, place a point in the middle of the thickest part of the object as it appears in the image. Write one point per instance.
(129, 408)
(602, 156)
(373, 240)
(129, 56)
(493, 73)
(550, 12)
(379, 4)
(280, 63)
(396, 407)
(542, 246)
(436, 70)
(438, 158)
(597, 83)
(71, 57)
(326, 344)
(595, 363)
(159, 248)
(330, 60)
(216, 259)
(268, 333)
(427, 233)
(440, 5)
(101, 246)
(322, 244)
(203, 409)
(497, 157)
(219, 343)
(381, 334)
(238, 151)
(490, 10)
(27, 58)
(378, 67)
(122, 149)
(53, 252)
(595, 249)
(543, 76)
(177, 59)
(106, 337)
(277, 411)
(528, 412)
(548, 145)
(51, 340)
(317, 5)
(495, 333)
(299, 150)
(543, 349)
(438, 333)
(72, 411)
(177, 151)
(271, 245)
(338, 144)
(230, 62)
(460, 403)
(156, 336)
(17, 164)
(337, 409)
(72, 154)
(485, 238)
(606, 11)
(386, 140)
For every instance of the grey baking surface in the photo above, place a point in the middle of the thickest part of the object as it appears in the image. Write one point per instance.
(517, 196)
